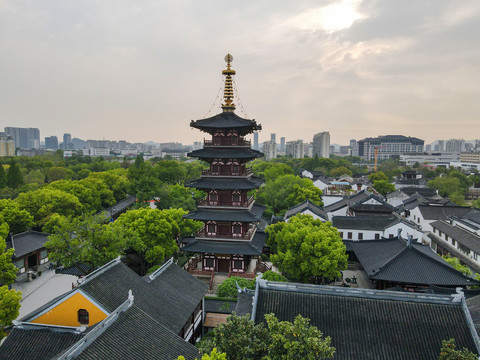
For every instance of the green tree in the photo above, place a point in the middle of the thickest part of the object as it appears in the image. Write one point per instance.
(85, 240)
(214, 355)
(14, 175)
(177, 196)
(383, 187)
(35, 177)
(379, 175)
(445, 185)
(276, 170)
(153, 233)
(240, 338)
(306, 248)
(17, 219)
(287, 191)
(340, 171)
(3, 177)
(9, 305)
(58, 173)
(170, 172)
(454, 262)
(42, 203)
(8, 271)
(449, 352)
(115, 180)
(273, 276)
(228, 288)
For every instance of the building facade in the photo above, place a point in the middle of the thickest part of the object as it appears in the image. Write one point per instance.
(321, 144)
(51, 143)
(25, 138)
(389, 146)
(7, 145)
(295, 149)
(270, 150)
(230, 235)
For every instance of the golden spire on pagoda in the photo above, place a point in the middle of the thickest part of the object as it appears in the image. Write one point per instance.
(229, 106)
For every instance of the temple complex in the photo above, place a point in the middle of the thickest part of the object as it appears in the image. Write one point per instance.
(230, 236)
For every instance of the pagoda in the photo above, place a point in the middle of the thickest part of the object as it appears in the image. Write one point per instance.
(231, 235)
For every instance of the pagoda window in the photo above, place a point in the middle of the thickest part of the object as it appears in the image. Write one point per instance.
(236, 198)
(237, 228)
(211, 228)
(213, 198)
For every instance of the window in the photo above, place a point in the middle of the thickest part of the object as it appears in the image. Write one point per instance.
(209, 263)
(349, 235)
(83, 317)
(390, 236)
(377, 236)
(238, 264)
(237, 229)
(360, 236)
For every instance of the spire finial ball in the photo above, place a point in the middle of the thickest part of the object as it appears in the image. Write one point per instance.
(228, 58)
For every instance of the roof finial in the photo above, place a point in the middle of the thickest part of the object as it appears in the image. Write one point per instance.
(229, 106)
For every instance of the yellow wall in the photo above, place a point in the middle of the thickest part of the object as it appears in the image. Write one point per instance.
(65, 313)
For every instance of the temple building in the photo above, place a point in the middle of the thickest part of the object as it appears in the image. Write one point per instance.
(230, 237)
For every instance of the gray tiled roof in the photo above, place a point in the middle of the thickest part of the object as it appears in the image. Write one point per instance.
(394, 261)
(136, 335)
(347, 201)
(224, 153)
(254, 247)
(252, 215)
(464, 237)
(226, 120)
(36, 344)
(436, 212)
(368, 324)
(226, 184)
(27, 242)
(306, 205)
(378, 223)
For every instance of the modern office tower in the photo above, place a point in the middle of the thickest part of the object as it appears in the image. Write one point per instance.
(455, 145)
(295, 149)
(255, 140)
(440, 146)
(270, 150)
(321, 144)
(282, 144)
(7, 145)
(67, 142)
(389, 146)
(273, 137)
(51, 143)
(353, 143)
(25, 138)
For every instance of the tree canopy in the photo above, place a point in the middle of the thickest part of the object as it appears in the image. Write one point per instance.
(305, 248)
(241, 338)
(450, 352)
(383, 187)
(286, 191)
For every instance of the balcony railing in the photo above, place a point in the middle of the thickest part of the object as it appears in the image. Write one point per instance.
(234, 204)
(227, 142)
(241, 172)
(247, 236)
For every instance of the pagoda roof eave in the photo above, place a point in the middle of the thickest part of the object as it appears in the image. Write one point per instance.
(226, 184)
(226, 120)
(223, 153)
(252, 215)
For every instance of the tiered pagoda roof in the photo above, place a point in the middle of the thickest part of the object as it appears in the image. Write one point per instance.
(226, 121)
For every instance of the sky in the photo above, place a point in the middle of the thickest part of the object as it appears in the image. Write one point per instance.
(142, 70)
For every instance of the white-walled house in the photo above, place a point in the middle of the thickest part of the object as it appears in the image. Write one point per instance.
(425, 215)
(306, 208)
(358, 228)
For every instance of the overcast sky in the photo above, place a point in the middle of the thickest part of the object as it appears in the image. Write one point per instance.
(141, 70)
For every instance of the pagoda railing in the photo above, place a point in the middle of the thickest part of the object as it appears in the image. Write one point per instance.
(247, 236)
(233, 204)
(241, 172)
(227, 142)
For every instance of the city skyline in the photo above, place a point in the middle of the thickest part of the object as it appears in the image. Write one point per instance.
(141, 72)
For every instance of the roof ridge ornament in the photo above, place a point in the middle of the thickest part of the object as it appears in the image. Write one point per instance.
(228, 95)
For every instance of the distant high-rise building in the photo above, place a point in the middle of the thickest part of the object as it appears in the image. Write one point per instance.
(270, 150)
(273, 137)
(440, 146)
(67, 142)
(282, 144)
(295, 149)
(353, 143)
(455, 145)
(321, 144)
(389, 146)
(25, 138)
(255, 140)
(51, 143)
(7, 145)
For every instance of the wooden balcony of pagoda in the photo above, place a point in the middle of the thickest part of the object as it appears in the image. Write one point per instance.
(227, 141)
(240, 173)
(226, 204)
(229, 237)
